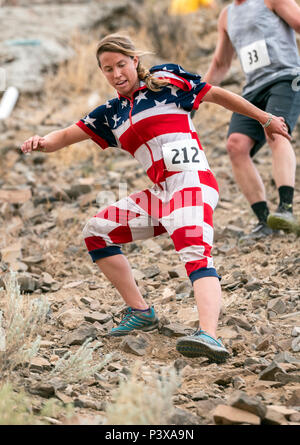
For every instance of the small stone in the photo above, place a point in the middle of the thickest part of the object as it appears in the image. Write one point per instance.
(152, 246)
(296, 331)
(138, 274)
(278, 415)
(270, 372)
(242, 401)
(42, 389)
(135, 345)
(294, 417)
(239, 321)
(263, 345)
(151, 271)
(253, 285)
(294, 399)
(277, 305)
(167, 295)
(77, 190)
(27, 283)
(228, 415)
(177, 272)
(80, 335)
(189, 316)
(200, 395)
(83, 401)
(71, 318)
(98, 316)
(296, 344)
(40, 364)
(183, 417)
(238, 382)
(285, 357)
(63, 397)
(175, 330)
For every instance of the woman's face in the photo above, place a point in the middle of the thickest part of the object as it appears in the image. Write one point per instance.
(120, 71)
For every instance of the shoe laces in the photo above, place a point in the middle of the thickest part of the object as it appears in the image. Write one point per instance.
(260, 225)
(127, 314)
(200, 331)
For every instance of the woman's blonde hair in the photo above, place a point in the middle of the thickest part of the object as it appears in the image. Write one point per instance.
(122, 44)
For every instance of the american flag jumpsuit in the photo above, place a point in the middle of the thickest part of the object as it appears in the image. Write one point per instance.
(180, 202)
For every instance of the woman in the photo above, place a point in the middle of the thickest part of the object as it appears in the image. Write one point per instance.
(150, 119)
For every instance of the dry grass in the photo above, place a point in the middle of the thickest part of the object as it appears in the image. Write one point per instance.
(139, 403)
(15, 408)
(19, 334)
(79, 366)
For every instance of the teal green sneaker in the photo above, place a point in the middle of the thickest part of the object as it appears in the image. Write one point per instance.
(200, 344)
(134, 319)
(283, 219)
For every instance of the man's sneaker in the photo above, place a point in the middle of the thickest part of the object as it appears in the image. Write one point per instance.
(200, 344)
(283, 219)
(134, 319)
(261, 230)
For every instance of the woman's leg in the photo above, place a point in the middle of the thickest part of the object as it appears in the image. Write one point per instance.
(118, 224)
(117, 270)
(207, 291)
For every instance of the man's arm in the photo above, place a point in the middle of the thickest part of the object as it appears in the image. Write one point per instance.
(288, 10)
(223, 54)
(55, 140)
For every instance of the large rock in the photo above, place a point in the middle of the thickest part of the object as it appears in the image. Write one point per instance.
(242, 401)
(228, 415)
(35, 38)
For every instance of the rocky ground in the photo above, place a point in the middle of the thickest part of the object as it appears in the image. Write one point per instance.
(44, 202)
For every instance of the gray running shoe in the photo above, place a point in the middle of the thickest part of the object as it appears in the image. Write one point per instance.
(283, 219)
(200, 344)
(261, 230)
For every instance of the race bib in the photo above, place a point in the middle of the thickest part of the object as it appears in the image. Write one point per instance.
(184, 155)
(254, 56)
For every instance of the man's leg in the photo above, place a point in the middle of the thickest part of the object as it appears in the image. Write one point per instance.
(284, 170)
(283, 161)
(245, 173)
(249, 180)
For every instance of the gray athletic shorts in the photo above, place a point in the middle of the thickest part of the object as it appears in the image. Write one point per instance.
(276, 98)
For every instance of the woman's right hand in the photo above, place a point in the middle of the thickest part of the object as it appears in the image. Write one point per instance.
(36, 142)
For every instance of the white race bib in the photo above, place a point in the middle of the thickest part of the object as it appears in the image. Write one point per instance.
(184, 155)
(254, 56)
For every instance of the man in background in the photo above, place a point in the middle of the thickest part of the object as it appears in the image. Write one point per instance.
(262, 34)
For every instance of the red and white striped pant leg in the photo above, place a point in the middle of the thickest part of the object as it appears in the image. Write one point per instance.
(190, 220)
(118, 224)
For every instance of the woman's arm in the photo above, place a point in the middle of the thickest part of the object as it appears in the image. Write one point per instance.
(238, 104)
(55, 140)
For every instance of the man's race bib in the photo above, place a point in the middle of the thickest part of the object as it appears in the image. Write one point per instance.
(184, 155)
(254, 56)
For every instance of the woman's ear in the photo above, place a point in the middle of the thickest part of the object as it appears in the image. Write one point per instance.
(135, 61)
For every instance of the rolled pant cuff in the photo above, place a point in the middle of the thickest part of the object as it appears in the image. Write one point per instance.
(203, 272)
(104, 252)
